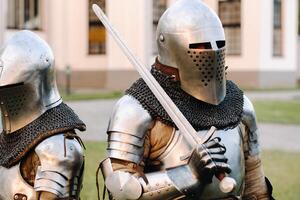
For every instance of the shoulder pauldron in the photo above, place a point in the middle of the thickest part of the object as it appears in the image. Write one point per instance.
(249, 120)
(127, 128)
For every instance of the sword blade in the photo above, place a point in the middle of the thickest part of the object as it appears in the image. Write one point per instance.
(186, 129)
(175, 114)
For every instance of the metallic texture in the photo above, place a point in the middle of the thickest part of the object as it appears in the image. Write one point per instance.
(60, 119)
(201, 70)
(249, 119)
(232, 140)
(174, 178)
(14, 183)
(123, 185)
(185, 180)
(61, 166)
(204, 75)
(128, 109)
(200, 115)
(126, 140)
(27, 81)
(159, 186)
(57, 174)
(106, 167)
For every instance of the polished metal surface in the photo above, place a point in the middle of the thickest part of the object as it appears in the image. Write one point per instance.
(125, 138)
(13, 183)
(158, 186)
(123, 185)
(130, 117)
(27, 80)
(127, 129)
(184, 180)
(57, 174)
(249, 119)
(174, 178)
(61, 165)
(190, 23)
(232, 140)
(123, 155)
(125, 151)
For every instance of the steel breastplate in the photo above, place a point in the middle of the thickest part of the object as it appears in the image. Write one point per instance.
(232, 139)
(13, 184)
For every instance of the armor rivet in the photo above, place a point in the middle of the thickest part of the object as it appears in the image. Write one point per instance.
(2, 102)
(16, 196)
(161, 38)
(24, 198)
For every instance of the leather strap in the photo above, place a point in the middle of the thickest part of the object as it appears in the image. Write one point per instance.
(170, 71)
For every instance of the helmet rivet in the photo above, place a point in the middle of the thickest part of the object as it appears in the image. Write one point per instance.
(161, 38)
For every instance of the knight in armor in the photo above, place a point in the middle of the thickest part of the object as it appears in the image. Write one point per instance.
(146, 152)
(41, 157)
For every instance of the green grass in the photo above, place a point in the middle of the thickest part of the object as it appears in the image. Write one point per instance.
(91, 96)
(286, 112)
(95, 152)
(281, 168)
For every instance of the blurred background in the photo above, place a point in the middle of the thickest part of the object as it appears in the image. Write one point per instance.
(262, 38)
(263, 55)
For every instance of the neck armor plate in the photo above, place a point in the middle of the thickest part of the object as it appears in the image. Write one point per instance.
(27, 80)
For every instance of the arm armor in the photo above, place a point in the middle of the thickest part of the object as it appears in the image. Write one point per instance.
(128, 127)
(249, 120)
(61, 166)
(257, 185)
(170, 184)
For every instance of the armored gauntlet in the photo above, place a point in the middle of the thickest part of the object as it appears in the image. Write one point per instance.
(207, 159)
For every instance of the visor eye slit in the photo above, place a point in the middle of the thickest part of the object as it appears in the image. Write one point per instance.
(204, 45)
(221, 44)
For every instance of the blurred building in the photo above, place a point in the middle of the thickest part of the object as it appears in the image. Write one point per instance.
(262, 38)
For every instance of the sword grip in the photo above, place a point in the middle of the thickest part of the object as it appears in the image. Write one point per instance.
(227, 184)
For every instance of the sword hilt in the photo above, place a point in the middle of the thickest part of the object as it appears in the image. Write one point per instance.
(227, 184)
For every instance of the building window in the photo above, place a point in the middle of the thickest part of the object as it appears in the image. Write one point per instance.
(277, 28)
(97, 33)
(24, 14)
(230, 15)
(159, 7)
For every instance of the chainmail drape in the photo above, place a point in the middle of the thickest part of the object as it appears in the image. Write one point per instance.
(14, 146)
(201, 115)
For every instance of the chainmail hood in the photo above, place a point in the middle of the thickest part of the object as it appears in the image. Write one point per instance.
(201, 115)
(14, 146)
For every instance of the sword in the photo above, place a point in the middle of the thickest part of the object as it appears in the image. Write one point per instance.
(227, 184)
